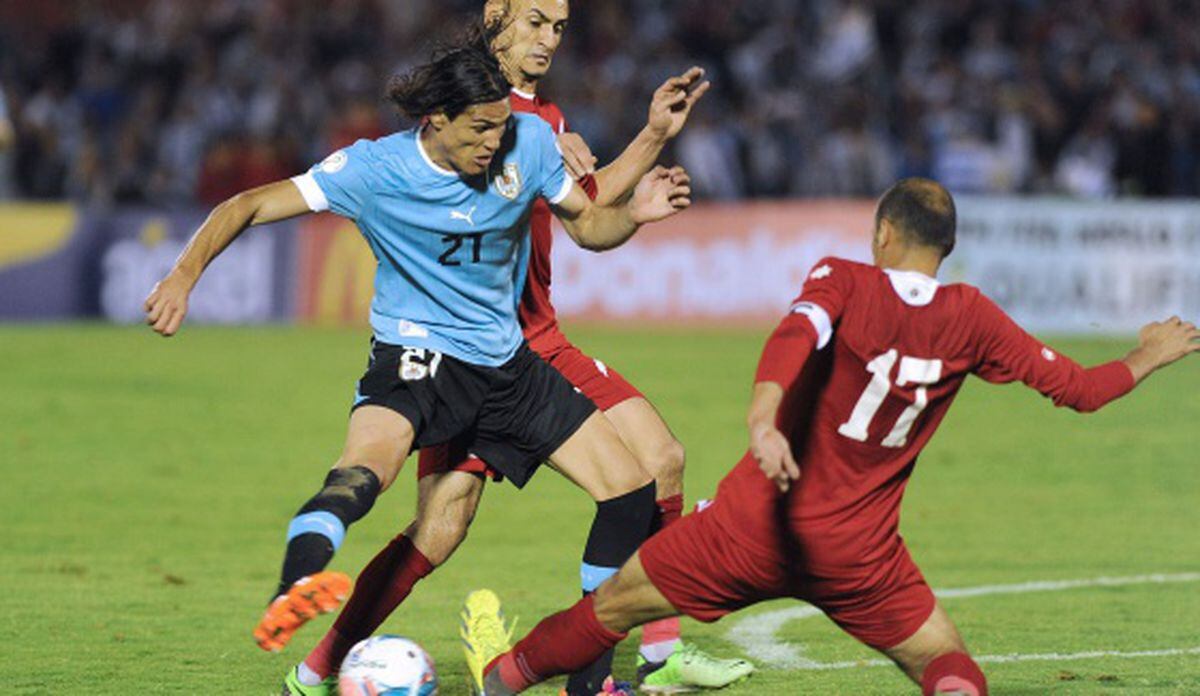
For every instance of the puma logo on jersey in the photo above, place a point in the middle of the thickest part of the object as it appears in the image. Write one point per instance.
(467, 216)
(822, 272)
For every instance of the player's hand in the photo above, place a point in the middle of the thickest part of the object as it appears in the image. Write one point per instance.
(773, 453)
(661, 193)
(167, 304)
(577, 156)
(1161, 343)
(673, 102)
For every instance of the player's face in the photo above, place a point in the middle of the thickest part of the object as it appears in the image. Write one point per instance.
(532, 34)
(472, 139)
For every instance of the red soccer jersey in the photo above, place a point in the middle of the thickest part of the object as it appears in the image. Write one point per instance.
(890, 350)
(538, 319)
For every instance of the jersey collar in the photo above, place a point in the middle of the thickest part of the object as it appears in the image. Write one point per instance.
(428, 160)
(527, 96)
(916, 289)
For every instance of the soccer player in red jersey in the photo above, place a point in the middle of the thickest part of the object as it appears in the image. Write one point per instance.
(451, 482)
(849, 389)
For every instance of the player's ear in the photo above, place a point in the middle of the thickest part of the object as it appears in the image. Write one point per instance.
(885, 233)
(494, 11)
(439, 121)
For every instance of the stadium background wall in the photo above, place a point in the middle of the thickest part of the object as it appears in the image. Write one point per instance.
(1065, 267)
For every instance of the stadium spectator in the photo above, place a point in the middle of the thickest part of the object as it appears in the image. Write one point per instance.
(1081, 97)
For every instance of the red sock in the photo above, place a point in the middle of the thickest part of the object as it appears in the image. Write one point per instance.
(381, 587)
(664, 630)
(953, 672)
(669, 511)
(561, 644)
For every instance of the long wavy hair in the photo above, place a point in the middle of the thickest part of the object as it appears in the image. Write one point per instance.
(459, 74)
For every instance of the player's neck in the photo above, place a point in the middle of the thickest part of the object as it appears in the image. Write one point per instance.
(433, 149)
(524, 87)
(917, 263)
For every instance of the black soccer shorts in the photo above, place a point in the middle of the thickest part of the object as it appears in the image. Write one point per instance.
(513, 416)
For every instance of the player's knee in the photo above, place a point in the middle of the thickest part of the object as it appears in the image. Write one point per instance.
(384, 468)
(438, 538)
(613, 606)
(348, 494)
(666, 466)
(441, 528)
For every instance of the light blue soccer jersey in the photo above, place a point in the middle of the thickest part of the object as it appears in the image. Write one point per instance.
(452, 253)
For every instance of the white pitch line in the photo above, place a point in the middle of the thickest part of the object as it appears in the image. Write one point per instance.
(756, 635)
(1021, 657)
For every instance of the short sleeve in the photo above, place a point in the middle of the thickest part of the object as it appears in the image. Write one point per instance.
(824, 296)
(556, 183)
(342, 183)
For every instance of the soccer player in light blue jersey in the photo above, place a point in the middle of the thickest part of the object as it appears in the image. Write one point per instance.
(443, 208)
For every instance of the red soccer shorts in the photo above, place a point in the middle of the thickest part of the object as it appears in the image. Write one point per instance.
(706, 573)
(598, 382)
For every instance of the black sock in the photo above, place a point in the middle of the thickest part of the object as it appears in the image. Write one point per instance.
(619, 528)
(306, 554)
(319, 527)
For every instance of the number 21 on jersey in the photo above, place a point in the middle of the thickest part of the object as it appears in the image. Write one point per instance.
(915, 371)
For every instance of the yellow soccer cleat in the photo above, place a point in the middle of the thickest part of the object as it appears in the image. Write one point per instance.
(483, 634)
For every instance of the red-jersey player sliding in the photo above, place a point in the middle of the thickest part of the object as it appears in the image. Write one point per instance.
(850, 387)
(450, 483)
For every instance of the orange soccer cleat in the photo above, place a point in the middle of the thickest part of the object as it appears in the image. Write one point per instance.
(308, 597)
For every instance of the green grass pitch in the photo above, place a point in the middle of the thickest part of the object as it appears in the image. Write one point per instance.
(146, 485)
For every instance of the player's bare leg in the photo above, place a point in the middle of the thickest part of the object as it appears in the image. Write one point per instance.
(651, 441)
(630, 599)
(377, 442)
(446, 506)
(596, 460)
(936, 658)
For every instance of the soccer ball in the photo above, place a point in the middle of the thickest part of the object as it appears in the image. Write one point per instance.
(387, 666)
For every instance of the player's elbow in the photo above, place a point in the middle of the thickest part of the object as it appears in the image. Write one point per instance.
(585, 237)
(595, 246)
(241, 205)
(1081, 402)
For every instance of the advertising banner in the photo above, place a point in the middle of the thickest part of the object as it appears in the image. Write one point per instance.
(249, 283)
(58, 262)
(711, 264)
(44, 252)
(1056, 266)
(1070, 267)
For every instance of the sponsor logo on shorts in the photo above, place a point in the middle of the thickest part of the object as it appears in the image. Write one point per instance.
(418, 363)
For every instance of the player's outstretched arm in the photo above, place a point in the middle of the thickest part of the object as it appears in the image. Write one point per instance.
(669, 111)
(1009, 353)
(167, 304)
(660, 194)
(1160, 344)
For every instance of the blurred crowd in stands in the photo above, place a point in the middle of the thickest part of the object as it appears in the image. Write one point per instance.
(178, 102)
